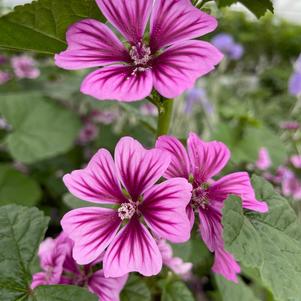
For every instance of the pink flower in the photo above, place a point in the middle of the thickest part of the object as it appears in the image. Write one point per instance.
(296, 161)
(203, 161)
(25, 67)
(4, 77)
(169, 60)
(264, 161)
(148, 109)
(290, 125)
(291, 186)
(122, 231)
(105, 116)
(88, 133)
(176, 264)
(60, 268)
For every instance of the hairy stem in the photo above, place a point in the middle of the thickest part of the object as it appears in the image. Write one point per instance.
(164, 118)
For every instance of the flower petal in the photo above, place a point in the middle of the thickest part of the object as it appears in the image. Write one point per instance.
(225, 265)
(97, 182)
(207, 158)
(118, 82)
(132, 250)
(177, 20)
(164, 209)
(129, 17)
(139, 168)
(237, 183)
(107, 289)
(178, 67)
(92, 229)
(179, 165)
(91, 44)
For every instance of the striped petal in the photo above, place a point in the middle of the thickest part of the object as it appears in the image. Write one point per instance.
(132, 250)
(164, 209)
(92, 230)
(129, 17)
(177, 20)
(91, 44)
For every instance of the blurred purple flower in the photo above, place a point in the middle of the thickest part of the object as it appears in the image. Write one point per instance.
(264, 161)
(226, 44)
(296, 161)
(4, 77)
(295, 79)
(88, 133)
(148, 109)
(2, 59)
(25, 67)
(198, 95)
(105, 116)
(290, 125)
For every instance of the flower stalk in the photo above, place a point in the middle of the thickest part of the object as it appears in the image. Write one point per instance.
(165, 108)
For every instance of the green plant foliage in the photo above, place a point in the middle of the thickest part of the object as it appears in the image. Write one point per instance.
(268, 242)
(135, 290)
(176, 291)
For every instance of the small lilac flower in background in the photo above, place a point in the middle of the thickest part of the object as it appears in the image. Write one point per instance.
(87, 133)
(60, 268)
(264, 161)
(123, 233)
(296, 161)
(3, 59)
(291, 186)
(105, 116)
(4, 77)
(295, 79)
(25, 67)
(148, 109)
(290, 125)
(169, 61)
(176, 264)
(226, 44)
(203, 161)
(198, 96)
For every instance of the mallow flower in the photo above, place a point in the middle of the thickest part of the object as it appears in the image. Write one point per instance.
(203, 161)
(264, 160)
(295, 79)
(164, 57)
(60, 268)
(25, 67)
(142, 211)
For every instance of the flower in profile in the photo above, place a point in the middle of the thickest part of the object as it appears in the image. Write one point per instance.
(203, 161)
(4, 77)
(296, 161)
(59, 267)
(122, 232)
(166, 59)
(176, 264)
(226, 44)
(295, 79)
(264, 161)
(25, 67)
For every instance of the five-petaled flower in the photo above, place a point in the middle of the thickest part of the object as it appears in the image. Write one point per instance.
(167, 58)
(203, 161)
(59, 267)
(128, 184)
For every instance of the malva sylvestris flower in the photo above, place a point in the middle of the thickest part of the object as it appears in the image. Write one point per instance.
(59, 267)
(203, 161)
(264, 160)
(25, 67)
(166, 58)
(139, 206)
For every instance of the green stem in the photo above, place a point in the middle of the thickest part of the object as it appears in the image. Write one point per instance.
(164, 118)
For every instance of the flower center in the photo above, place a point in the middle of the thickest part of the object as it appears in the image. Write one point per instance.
(140, 54)
(126, 211)
(200, 198)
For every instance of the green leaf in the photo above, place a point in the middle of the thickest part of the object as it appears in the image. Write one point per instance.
(257, 7)
(230, 291)
(17, 188)
(176, 291)
(62, 293)
(135, 290)
(269, 242)
(40, 129)
(41, 25)
(21, 231)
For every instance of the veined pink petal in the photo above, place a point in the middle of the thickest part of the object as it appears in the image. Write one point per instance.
(225, 265)
(139, 168)
(132, 250)
(118, 82)
(91, 44)
(128, 16)
(92, 229)
(211, 227)
(107, 289)
(39, 279)
(239, 184)
(97, 182)
(179, 165)
(164, 209)
(177, 20)
(178, 67)
(207, 158)
(190, 214)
